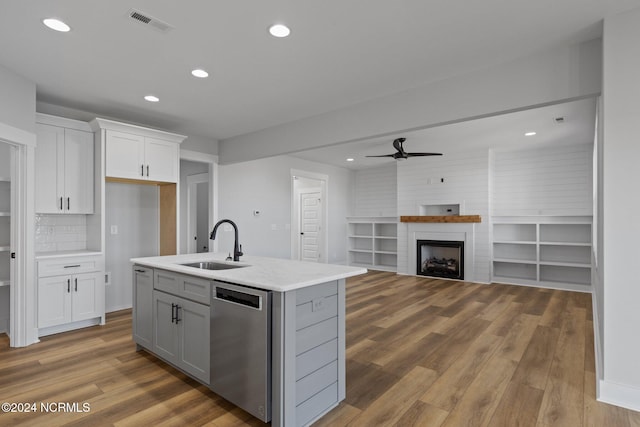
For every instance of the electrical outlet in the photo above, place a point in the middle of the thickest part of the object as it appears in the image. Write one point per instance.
(114, 229)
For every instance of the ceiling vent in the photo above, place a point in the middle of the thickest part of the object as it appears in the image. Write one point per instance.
(148, 20)
(559, 120)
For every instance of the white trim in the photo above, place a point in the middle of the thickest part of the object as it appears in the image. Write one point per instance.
(597, 339)
(619, 395)
(98, 123)
(196, 156)
(12, 135)
(48, 119)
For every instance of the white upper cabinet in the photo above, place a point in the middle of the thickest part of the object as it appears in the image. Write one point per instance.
(64, 170)
(140, 157)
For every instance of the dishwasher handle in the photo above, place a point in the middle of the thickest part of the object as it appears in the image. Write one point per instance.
(237, 297)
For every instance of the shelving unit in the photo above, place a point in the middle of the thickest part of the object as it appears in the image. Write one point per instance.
(372, 242)
(552, 252)
(5, 229)
(5, 237)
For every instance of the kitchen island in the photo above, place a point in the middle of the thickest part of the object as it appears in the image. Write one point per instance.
(267, 334)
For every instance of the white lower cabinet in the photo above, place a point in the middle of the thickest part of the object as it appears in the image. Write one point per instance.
(72, 300)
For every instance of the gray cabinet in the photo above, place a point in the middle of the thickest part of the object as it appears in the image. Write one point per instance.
(171, 318)
(181, 333)
(143, 306)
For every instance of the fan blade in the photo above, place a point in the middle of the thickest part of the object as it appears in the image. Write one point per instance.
(383, 155)
(423, 154)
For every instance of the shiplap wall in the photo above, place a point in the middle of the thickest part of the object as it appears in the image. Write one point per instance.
(466, 181)
(545, 181)
(376, 191)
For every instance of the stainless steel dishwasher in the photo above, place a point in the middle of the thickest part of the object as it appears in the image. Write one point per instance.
(241, 347)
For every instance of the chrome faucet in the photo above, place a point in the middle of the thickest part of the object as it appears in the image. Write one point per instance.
(237, 249)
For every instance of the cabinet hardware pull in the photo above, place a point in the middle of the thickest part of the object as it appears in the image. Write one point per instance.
(68, 203)
(76, 279)
(68, 285)
(177, 318)
(60, 203)
(72, 266)
(173, 311)
(140, 271)
(141, 170)
(147, 170)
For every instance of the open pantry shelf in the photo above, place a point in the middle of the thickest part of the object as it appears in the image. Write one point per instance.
(372, 242)
(551, 252)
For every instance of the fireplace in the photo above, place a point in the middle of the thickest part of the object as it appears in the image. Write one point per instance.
(440, 258)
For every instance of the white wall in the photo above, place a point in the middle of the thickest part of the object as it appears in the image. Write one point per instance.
(621, 216)
(556, 74)
(376, 191)
(17, 101)
(133, 208)
(554, 180)
(265, 185)
(466, 181)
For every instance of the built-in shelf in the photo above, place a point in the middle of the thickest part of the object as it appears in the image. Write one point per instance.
(5, 282)
(372, 242)
(546, 251)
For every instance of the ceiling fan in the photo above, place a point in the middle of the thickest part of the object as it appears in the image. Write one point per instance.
(401, 154)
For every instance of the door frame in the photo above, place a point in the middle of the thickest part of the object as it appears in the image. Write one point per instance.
(295, 213)
(212, 161)
(23, 329)
(192, 222)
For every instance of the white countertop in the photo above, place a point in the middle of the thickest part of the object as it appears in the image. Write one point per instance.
(272, 274)
(64, 254)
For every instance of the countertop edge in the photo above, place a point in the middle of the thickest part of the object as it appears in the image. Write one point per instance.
(261, 279)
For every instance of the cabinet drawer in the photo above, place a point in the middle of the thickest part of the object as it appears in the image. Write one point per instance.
(189, 287)
(72, 265)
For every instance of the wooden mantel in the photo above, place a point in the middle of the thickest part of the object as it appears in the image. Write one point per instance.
(441, 218)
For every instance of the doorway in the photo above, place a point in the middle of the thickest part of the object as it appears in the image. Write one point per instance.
(309, 229)
(198, 212)
(198, 207)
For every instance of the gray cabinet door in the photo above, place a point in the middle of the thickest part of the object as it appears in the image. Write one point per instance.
(194, 327)
(143, 306)
(165, 335)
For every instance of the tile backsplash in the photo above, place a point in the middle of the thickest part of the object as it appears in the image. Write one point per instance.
(61, 233)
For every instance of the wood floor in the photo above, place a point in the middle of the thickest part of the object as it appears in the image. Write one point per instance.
(420, 352)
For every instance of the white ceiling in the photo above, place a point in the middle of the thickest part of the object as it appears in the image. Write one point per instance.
(501, 132)
(339, 53)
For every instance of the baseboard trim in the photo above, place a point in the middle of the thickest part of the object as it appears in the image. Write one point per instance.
(619, 395)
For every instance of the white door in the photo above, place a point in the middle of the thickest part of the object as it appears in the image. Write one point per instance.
(161, 160)
(54, 301)
(310, 225)
(78, 171)
(49, 169)
(84, 299)
(125, 155)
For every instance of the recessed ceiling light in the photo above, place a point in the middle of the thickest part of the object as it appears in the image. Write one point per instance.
(151, 98)
(279, 30)
(350, 159)
(198, 72)
(529, 134)
(56, 24)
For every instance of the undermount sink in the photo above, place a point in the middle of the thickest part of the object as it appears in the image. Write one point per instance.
(212, 265)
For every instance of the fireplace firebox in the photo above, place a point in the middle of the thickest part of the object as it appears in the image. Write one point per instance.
(440, 258)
